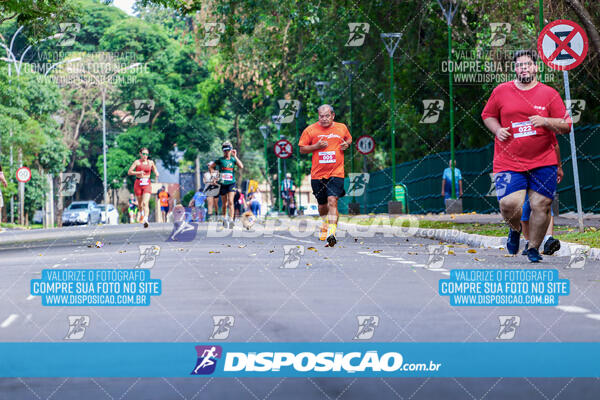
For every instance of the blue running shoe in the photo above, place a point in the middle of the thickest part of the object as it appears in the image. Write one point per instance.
(513, 241)
(524, 253)
(551, 246)
(534, 255)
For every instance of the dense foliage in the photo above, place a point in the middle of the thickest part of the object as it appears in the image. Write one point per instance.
(215, 70)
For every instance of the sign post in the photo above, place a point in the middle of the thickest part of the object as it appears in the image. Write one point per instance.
(283, 149)
(365, 145)
(23, 176)
(563, 45)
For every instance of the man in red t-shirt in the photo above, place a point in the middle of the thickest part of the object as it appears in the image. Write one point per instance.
(326, 140)
(524, 116)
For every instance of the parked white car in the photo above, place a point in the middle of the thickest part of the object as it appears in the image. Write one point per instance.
(312, 209)
(38, 217)
(81, 212)
(113, 215)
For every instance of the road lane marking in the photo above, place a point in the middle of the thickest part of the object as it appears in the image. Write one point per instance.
(294, 239)
(593, 316)
(30, 297)
(573, 309)
(8, 321)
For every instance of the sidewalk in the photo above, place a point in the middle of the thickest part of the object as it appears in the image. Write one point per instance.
(567, 219)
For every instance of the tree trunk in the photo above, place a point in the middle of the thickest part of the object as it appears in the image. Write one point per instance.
(59, 204)
(588, 24)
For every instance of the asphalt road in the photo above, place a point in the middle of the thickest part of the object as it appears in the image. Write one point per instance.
(270, 300)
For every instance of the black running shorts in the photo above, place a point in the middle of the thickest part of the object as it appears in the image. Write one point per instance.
(323, 188)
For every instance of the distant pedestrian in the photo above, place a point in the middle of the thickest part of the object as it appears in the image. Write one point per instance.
(197, 203)
(164, 200)
(212, 189)
(287, 191)
(447, 182)
(255, 199)
(240, 202)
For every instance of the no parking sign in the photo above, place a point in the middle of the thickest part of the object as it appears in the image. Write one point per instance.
(283, 148)
(562, 45)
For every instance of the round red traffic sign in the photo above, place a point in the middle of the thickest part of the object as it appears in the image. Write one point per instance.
(23, 174)
(365, 144)
(562, 45)
(283, 148)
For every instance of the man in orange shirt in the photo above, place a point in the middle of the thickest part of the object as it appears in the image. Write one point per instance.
(327, 140)
(163, 197)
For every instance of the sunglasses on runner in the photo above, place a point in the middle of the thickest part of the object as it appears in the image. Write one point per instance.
(145, 154)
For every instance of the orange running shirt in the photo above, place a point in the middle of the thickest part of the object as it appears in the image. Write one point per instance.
(164, 198)
(329, 161)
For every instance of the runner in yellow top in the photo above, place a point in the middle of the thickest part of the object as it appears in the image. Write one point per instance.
(327, 140)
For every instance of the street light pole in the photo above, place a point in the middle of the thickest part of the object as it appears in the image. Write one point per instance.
(391, 41)
(449, 15)
(276, 119)
(450, 78)
(350, 65)
(104, 183)
(60, 63)
(298, 177)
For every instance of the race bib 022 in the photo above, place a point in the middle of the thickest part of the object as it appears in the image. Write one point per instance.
(522, 129)
(326, 157)
(226, 176)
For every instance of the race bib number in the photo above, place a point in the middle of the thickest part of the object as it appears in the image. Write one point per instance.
(144, 181)
(522, 129)
(227, 176)
(326, 157)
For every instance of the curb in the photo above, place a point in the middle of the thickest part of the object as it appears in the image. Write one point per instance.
(449, 235)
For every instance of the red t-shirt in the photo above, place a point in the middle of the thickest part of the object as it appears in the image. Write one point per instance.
(528, 147)
(329, 161)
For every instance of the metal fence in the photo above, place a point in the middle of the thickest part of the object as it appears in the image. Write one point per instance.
(423, 179)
